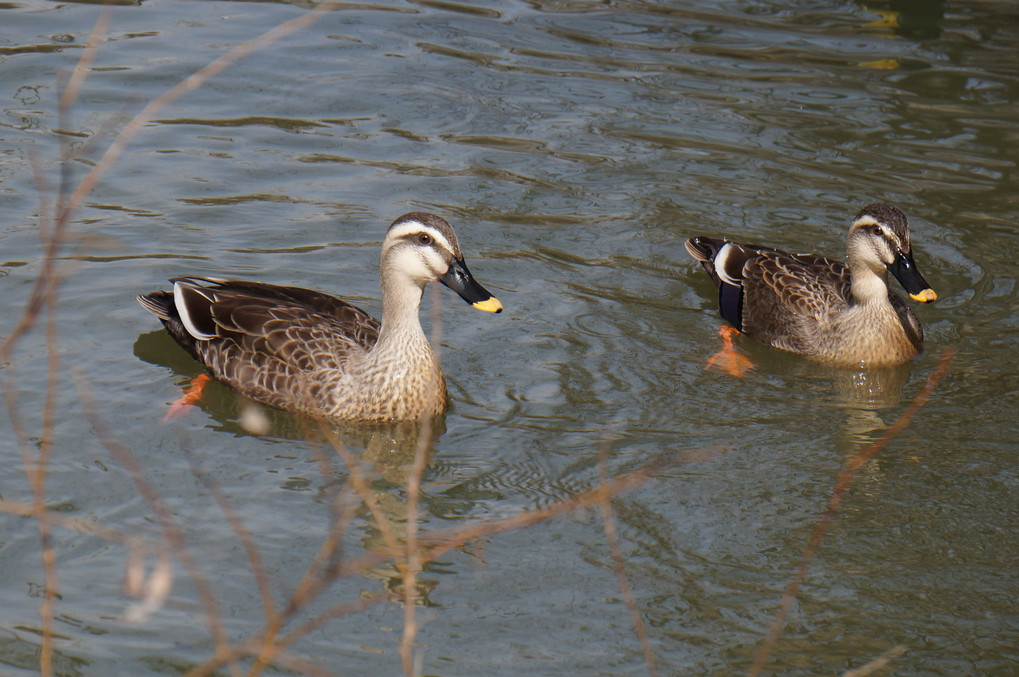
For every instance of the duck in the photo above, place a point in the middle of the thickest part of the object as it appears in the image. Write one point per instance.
(838, 313)
(312, 353)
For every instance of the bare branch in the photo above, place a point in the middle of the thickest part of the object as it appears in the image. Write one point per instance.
(838, 493)
(254, 557)
(413, 562)
(609, 524)
(88, 57)
(192, 82)
(171, 530)
(881, 661)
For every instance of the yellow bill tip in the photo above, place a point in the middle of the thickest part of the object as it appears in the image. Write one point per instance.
(492, 305)
(881, 64)
(925, 296)
(888, 19)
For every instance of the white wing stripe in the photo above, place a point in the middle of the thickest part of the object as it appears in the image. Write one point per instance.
(720, 265)
(179, 289)
(413, 226)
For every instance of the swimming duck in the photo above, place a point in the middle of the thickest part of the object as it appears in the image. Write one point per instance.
(312, 353)
(840, 314)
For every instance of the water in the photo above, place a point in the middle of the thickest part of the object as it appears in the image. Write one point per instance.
(574, 145)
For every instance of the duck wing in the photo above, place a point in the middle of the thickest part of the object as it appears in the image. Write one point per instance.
(266, 341)
(789, 299)
(914, 331)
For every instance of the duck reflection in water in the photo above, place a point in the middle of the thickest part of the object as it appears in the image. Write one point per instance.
(384, 453)
(913, 19)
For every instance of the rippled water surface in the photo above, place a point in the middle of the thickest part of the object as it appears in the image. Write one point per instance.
(574, 145)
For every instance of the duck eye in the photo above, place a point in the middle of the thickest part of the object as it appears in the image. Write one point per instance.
(876, 230)
(424, 238)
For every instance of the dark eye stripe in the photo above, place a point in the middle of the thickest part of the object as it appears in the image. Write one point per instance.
(434, 239)
(419, 237)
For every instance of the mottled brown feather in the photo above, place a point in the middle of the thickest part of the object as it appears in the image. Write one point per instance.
(788, 297)
(270, 338)
(305, 351)
(804, 303)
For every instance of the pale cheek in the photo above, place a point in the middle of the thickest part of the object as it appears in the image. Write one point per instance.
(433, 263)
(884, 254)
(412, 264)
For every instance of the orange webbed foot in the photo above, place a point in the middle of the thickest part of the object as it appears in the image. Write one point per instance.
(190, 397)
(728, 358)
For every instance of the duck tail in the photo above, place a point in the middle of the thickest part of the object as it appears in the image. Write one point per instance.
(159, 303)
(704, 249)
(723, 260)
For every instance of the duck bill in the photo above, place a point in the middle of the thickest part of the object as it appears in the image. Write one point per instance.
(911, 280)
(460, 280)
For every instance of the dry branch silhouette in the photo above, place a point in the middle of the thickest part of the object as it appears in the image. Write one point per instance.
(619, 564)
(270, 644)
(54, 220)
(838, 493)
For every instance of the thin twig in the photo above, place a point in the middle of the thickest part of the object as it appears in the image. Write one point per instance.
(88, 57)
(49, 409)
(253, 648)
(250, 548)
(318, 621)
(443, 541)
(440, 542)
(611, 536)
(65, 522)
(52, 235)
(120, 142)
(838, 493)
(881, 661)
(413, 561)
(190, 83)
(45, 294)
(318, 576)
(360, 483)
(274, 652)
(171, 530)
